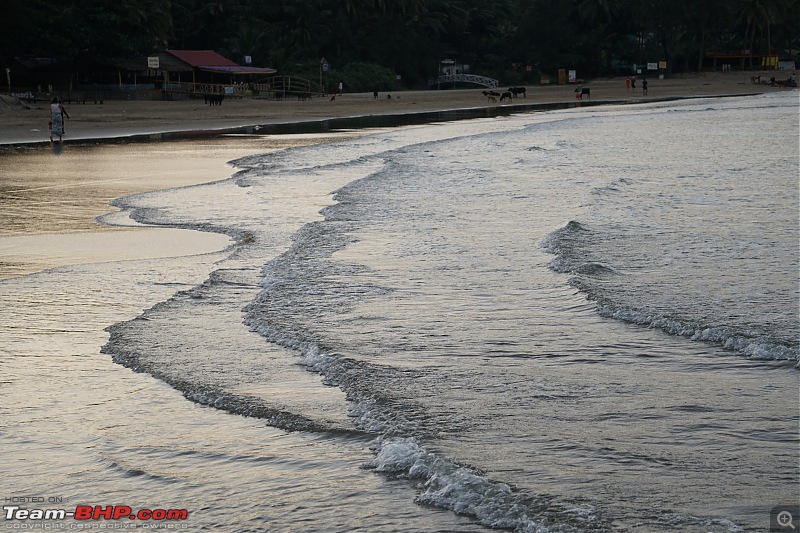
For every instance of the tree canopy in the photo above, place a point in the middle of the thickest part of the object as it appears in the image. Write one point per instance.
(511, 40)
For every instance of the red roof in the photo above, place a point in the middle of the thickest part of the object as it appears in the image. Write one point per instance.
(212, 61)
(202, 58)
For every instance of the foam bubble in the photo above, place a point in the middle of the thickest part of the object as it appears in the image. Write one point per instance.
(464, 490)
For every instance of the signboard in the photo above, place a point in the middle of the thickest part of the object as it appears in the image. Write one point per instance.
(152, 62)
(573, 76)
(662, 65)
(652, 66)
(248, 60)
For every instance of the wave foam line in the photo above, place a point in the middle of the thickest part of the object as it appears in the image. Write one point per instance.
(752, 347)
(466, 491)
(563, 243)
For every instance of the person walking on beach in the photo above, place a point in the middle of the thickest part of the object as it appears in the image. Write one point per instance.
(644, 87)
(57, 114)
(628, 84)
(633, 84)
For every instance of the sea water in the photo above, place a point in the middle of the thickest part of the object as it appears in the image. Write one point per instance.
(576, 320)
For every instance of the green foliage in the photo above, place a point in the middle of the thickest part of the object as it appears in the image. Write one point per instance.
(364, 77)
(368, 42)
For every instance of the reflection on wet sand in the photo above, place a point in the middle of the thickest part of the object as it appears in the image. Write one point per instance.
(52, 195)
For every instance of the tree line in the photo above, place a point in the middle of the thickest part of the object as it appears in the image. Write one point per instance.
(510, 40)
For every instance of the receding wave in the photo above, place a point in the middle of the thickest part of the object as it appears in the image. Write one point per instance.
(441, 481)
(124, 351)
(570, 244)
(301, 289)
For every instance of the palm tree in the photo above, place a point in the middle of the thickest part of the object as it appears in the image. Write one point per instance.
(760, 14)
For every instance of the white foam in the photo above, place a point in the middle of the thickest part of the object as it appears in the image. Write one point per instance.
(467, 491)
(751, 347)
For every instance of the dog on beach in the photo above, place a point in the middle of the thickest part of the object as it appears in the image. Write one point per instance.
(491, 95)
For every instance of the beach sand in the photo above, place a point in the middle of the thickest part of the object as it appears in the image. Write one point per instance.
(51, 196)
(125, 118)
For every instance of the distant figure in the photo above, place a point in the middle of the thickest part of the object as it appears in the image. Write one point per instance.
(633, 84)
(375, 95)
(644, 87)
(388, 96)
(793, 80)
(340, 88)
(628, 84)
(57, 114)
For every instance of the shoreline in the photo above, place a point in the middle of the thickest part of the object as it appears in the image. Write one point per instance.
(139, 121)
(53, 198)
(111, 153)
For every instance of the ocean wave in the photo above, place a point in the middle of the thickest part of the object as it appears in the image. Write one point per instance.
(570, 243)
(467, 491)
(400, 426)
(562, 242)
(729, 338)
(559, 240)
(205, 394)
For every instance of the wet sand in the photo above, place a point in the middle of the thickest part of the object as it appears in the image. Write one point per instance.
(51, 197)
(49, 193)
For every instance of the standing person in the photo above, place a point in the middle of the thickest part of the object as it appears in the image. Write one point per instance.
(340, 87)
(644, 87)
(57, 114)
(633, 83)
(628, 84)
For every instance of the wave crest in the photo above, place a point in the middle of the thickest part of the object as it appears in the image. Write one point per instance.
(467, 491)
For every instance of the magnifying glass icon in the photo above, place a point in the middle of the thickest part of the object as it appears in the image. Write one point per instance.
(785, 519)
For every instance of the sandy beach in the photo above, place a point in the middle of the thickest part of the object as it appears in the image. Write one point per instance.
(47, 197)
(28, 124)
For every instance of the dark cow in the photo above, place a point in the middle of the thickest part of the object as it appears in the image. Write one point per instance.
(214, 99)
(580, 91)
(516, 91)
(505, 95)
(491, 95)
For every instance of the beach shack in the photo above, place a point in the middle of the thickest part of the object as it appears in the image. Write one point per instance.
(169, 74)
(205, 72)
